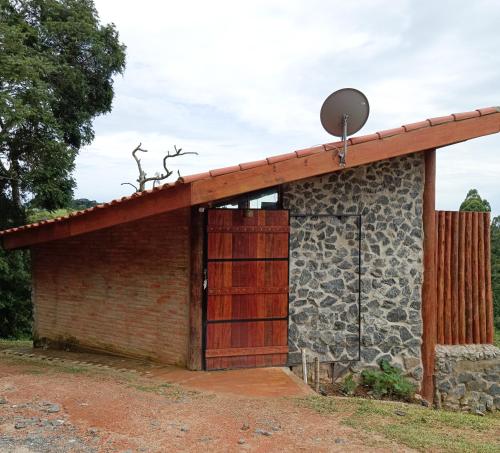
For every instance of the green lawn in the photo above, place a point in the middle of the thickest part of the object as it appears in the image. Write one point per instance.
(412, 425)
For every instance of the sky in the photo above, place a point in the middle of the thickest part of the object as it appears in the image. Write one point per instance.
(237, 81)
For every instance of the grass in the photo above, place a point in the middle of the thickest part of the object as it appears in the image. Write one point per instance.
(7, 343)
(414, 426)
(132, 380)
(496, 340)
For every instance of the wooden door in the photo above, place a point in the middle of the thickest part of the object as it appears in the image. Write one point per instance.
(247, 288)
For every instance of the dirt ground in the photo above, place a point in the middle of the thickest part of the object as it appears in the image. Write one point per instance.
(62, 407)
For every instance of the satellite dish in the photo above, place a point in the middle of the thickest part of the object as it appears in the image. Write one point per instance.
(344, 113)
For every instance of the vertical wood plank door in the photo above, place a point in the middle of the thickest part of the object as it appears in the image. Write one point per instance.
(247, 288)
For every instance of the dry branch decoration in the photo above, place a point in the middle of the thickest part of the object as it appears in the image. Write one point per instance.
(143, 178)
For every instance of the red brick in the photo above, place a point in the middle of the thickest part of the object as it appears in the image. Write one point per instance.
(124, 289)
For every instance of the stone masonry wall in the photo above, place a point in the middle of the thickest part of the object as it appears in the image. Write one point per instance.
(324, 265)
(123, 289)
(468, 377)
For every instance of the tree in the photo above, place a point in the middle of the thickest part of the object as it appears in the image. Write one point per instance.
(57, 63)
(143, 178)
(474, 202)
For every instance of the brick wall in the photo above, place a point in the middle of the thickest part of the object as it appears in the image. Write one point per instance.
(124, 289)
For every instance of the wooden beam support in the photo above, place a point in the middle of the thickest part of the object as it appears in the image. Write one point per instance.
(326, 159)
(114, 213)
(195, 348)
(429, 284)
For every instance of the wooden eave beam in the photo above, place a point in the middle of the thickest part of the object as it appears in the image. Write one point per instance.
(134, 209)
(232, 184)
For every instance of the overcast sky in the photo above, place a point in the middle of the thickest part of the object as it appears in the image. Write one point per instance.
(241, 80)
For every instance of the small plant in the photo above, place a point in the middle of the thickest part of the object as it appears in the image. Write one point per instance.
(388, 382)
(348, 385)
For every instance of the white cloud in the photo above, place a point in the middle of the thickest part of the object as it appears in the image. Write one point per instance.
(241, 80)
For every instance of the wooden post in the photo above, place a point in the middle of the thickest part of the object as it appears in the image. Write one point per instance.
(316, 374)
(195, 349)
(304, 366)
(489, 294)
(429, 283)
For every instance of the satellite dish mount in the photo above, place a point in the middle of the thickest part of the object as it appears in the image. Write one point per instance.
(344, 113)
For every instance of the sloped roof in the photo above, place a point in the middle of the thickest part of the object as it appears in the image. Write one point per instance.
(222, 183)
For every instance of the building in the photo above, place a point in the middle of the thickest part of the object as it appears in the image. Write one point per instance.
(247, 265)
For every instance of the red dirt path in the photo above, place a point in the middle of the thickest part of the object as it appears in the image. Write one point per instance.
(111, 411)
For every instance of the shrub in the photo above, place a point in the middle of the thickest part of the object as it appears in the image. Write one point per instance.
(348, 385)
(387, 381)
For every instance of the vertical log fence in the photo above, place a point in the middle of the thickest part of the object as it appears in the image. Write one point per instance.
(463, 281)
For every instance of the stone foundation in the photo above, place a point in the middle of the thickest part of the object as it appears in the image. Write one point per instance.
(468, 377)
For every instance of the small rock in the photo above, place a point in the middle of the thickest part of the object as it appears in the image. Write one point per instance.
(57, 422)
(3, 400)
(262, 432)
(54, 408)
(184, 429)
(21, 424)
(339, 441)
(241, 441)
(425, 403)
(418, 397)
(400, 413)
(93, 431)
(478, 412)
(245, 427)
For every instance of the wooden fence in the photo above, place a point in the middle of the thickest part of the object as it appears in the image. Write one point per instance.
(463, 280)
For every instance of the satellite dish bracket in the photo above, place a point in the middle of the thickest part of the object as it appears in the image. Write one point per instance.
(343, 153)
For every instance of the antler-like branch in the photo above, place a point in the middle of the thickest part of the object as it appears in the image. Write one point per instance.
(130, 184)
(143, 179)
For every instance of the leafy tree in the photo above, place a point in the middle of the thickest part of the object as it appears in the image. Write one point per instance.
(474, 202)
(82, 203)
(57, 65)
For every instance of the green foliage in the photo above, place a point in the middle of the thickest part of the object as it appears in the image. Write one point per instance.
(348, 385)
(57, 65)
(474, 202)
(387, 381)
(82, 203)
(15, 301)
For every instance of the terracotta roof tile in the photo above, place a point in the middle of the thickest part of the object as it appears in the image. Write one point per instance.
(309, 151)
(255, 163)
(364, 138)
(224, 171)
(336, 145)
(465, 115)
(441, 120)
(488, 110)
(281, 157)
(415, 126)
(391, 132)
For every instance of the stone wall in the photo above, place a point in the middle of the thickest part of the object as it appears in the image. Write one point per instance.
(388, 195)
(468, 377)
